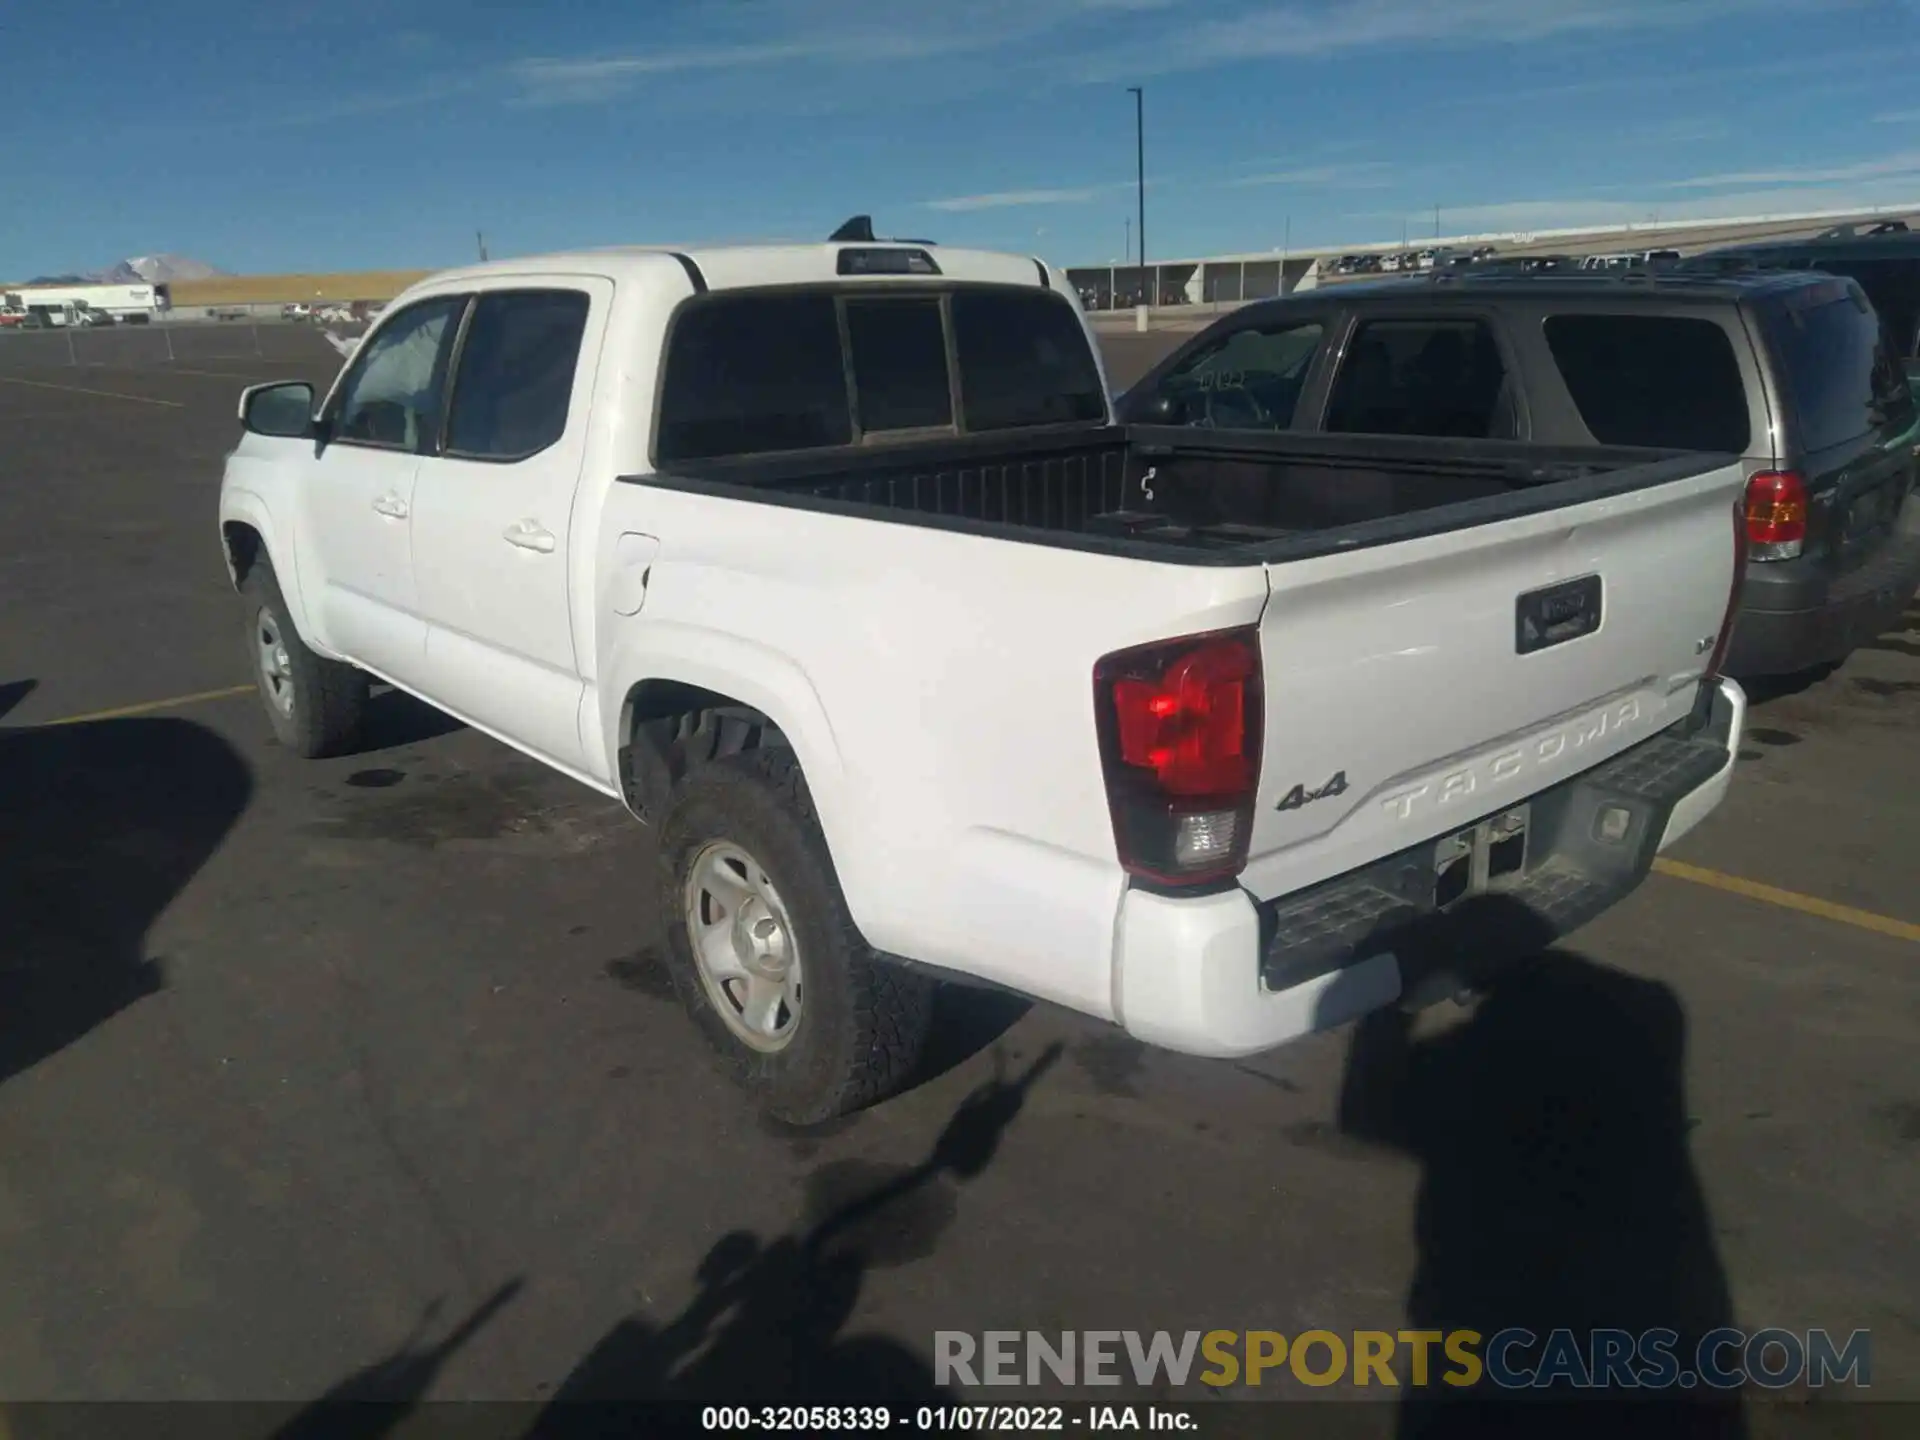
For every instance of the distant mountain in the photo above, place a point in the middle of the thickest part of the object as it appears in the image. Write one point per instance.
(141, 269)
(156, 269)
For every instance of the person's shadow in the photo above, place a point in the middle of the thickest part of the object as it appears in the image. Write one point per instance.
(1557, 1189)
(765, 1327)
(102, 825)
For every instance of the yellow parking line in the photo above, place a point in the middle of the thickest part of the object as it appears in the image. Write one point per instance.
(148, 707)
(171, 370)
(1789, 900)
(83, 390)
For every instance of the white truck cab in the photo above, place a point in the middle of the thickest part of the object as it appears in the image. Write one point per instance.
(830, 561)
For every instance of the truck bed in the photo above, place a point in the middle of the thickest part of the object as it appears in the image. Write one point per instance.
(1190, 495)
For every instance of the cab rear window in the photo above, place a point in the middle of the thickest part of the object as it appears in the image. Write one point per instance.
(764, 372)
(1669, 382)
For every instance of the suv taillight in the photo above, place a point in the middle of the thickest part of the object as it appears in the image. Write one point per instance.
(1776, 515)
(1742, 542)
(1180, 725)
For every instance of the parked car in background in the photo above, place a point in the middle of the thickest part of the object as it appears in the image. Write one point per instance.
(1787, 371)
(1123, 721)
(1885, 262)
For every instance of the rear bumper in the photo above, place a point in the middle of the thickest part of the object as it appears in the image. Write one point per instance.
(1225, 975)
(1786, 627)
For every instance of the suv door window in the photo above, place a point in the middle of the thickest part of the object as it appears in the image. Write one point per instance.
(1839, 378)
(1250, 379)
(514, 381)
(1438, 377)
(1666, 381)
(391, 396)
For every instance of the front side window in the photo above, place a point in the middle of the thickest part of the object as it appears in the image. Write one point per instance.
(514, 383)
(1249, 380)
(391, 397)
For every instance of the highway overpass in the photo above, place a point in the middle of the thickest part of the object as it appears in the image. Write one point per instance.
(1259, 275)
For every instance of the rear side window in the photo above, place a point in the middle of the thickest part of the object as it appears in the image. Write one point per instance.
(899, 350)
(1440, 377)
(1664, 381)
(515, 378)
(1024, 360)
(752, 374)
(1250, 380)
(1839, 380)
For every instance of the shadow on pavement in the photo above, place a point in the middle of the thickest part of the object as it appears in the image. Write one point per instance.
(374, 1402)
(13, 692)
(102, 825)
(1557, 1191)
(966, 1020)
(766, 1324)
(394, 718)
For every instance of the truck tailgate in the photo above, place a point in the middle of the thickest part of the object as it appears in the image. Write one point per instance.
(1414, 688)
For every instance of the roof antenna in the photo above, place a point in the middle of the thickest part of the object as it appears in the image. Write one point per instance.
(858, 231)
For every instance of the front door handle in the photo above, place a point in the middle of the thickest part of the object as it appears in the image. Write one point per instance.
(391, 505)
(528, 535)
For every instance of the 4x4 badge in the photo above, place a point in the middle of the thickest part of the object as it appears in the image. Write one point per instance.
(1299, 795)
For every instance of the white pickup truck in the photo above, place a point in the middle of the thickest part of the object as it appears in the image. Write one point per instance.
(831, 561)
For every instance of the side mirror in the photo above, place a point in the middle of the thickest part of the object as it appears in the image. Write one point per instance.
(283, 409)
(1161, 409)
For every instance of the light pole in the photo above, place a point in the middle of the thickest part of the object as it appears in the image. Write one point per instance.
(1140, 174)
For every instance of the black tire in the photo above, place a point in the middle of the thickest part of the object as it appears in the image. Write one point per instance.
(863, 1019)
(328, 698)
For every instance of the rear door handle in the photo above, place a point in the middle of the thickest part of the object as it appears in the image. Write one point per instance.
(391, 505)
(528, 535)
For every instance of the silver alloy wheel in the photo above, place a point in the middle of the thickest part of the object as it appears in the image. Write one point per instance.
(276, 671)
(744, 946)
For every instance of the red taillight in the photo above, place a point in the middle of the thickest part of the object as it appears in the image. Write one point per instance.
(1180, 726)
(1776, 515)
(1742, 511)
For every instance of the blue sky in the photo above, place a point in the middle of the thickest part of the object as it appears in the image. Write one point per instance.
(360, 134)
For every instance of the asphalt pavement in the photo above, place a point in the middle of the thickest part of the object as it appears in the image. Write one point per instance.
(364, 1072)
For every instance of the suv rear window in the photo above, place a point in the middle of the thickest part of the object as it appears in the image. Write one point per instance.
(752, 373)
(1663, 381)
(1838, 377)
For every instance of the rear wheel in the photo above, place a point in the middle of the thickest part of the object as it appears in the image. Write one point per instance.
(764, 954)
(314, 705)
